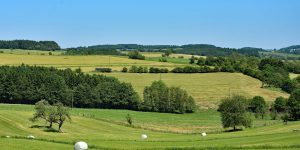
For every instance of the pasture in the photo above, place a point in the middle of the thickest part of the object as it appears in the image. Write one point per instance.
(109, 134)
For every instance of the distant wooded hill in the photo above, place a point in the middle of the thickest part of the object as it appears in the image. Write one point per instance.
(29, 45)
(195, 49)
(113, 49)
(295, 49)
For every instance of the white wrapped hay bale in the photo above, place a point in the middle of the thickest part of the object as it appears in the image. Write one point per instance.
(144, 136)
(80, 146)
(30, 137)
(203, 134)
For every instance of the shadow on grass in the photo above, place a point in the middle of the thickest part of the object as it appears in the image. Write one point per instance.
(51, 130)
(45, 128)
(38, 126)
(232, 130)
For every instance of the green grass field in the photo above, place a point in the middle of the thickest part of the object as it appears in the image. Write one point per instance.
(206, 88)
(104, 131)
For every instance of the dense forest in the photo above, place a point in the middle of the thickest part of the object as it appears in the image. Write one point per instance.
(30, 84)
(29, 45)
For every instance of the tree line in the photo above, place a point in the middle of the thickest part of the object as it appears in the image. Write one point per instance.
(29, 84)
(29, 45)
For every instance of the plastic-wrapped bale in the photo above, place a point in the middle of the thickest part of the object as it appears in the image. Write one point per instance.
(144, 136)
(203, 134)
(30, 137)
(80, 146)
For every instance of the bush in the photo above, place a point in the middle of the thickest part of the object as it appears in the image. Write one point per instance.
(140, 69)
(163, 59)
(158, 70)
(124, 69)
(103, 70)
(136, 55)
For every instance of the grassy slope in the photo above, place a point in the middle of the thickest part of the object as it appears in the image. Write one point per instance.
(206, 88)
(104, 134)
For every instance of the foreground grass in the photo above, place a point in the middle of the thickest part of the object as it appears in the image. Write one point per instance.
(109, 135)
(206, 88)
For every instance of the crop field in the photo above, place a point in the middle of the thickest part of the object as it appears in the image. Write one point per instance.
(86, 63)
(206, 88)
(104, 130)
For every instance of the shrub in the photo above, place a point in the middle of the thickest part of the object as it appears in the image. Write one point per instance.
(124, 69)
(103, 70)
(136, 55)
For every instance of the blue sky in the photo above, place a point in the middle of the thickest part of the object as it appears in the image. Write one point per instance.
(225, 23)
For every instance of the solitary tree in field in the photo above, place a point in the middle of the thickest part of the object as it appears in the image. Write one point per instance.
(56, 113)
(44, 111)
(234, 112)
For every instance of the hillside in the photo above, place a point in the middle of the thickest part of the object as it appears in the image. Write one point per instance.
(206, 88)
(295, 49)
(105, 134)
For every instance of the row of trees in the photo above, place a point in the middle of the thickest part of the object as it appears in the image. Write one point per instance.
(91, 51)
(236, 111)
(29, 44)
(141, 69)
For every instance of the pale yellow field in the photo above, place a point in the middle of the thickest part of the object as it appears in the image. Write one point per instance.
(206, 88)
(87, 63)
(159, 54)
(293, 75)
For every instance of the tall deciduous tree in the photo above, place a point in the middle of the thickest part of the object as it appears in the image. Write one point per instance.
(234, 112)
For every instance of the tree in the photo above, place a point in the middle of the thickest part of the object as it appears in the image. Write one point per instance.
(234, 112)
(192, 60)
(44, 111)
(56, 113)
(201, 61)
(280, 104)
(62, 115)
(258, 106)
(168, 52)
(293, 105)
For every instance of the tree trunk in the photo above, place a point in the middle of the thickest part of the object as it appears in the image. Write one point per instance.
(60, 125)
(234, 128)
(50, 126)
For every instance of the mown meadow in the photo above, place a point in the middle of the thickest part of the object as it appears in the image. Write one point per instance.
(106, 129)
